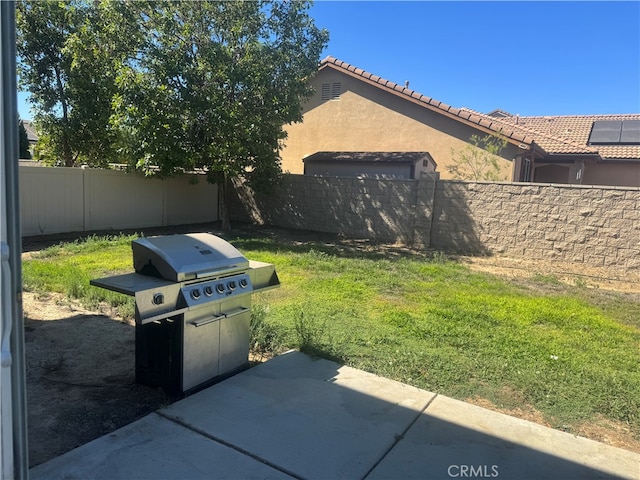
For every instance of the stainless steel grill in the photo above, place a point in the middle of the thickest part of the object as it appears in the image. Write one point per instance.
(193, 308)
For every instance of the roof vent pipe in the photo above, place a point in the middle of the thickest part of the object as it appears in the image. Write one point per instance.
(406, 84)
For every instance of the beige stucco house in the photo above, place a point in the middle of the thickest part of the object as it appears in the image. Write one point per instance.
(355, 112)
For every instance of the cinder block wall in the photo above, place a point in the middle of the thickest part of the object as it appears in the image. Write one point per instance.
(382, 210)
(597, 226)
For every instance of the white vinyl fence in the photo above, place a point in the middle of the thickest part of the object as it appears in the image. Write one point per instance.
(57, 200)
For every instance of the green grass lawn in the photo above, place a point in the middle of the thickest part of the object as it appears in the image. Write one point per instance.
(570, 352)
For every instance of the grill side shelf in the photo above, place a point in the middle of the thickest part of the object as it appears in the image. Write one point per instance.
(263, 276)
(130, 283)
(144, 288)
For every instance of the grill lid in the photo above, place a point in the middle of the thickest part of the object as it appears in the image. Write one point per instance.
(186, 257)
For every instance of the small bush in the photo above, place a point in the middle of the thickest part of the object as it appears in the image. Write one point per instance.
(265, 338)
(314, 338)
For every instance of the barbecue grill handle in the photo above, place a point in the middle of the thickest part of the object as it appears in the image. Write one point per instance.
(208, 320)
(215, 318)
(236, 311)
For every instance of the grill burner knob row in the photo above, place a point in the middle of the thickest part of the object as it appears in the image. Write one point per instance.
(208, 290)
(243, 283)
(195, 293)
(231, 285)
(220, 288)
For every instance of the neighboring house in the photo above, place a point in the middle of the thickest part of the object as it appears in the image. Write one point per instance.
(32, 139)
(31, 132)
(579, 149)
(354, 112)
(380, 165)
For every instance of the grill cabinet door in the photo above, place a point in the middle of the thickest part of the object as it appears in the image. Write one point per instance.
(201, 347)
(234, 336)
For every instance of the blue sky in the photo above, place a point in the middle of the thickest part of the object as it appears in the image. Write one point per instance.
(528, 58)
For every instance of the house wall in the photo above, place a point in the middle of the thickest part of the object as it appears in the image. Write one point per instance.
(595, 226)
(57, 200)
(366, 118)
(610, 173)
(615, 174)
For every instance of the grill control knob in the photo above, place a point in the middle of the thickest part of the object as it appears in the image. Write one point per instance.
(220, 288)
(158, 299)
(243, 283)
(231, 285)
(208, 290)
(195, 294)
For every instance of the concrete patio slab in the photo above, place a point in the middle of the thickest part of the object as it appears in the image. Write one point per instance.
(453, 439)
(299, 417)
(308, 417)
(153, 448)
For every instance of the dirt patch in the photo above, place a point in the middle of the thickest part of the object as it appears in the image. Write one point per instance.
(610, 432)
(605, 278)
(80, 376)
(526, 412)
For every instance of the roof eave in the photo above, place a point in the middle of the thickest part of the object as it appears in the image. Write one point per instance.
(575, 156)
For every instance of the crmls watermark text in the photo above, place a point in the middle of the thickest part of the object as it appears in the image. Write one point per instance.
(473, 471)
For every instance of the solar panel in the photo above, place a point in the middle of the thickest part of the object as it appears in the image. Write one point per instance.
(605, 132)
(630, 134)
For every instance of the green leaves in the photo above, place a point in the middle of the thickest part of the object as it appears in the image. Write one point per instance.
(69, 54)
(210, 84)
(169, 86)
(478, 160)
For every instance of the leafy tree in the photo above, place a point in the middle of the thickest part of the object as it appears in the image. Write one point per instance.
(23, 140)
(43, 28)
(479, 160)
(213, 86)
(68, 58)
(168, 86)
(99, 47)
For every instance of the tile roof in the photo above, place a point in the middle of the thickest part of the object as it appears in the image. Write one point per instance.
(31, 131)
(576, 129)
(549, 142)
(554, 135)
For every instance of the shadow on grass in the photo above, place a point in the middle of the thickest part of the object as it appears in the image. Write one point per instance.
(248, 237)
(278, 240)
(317, 352)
